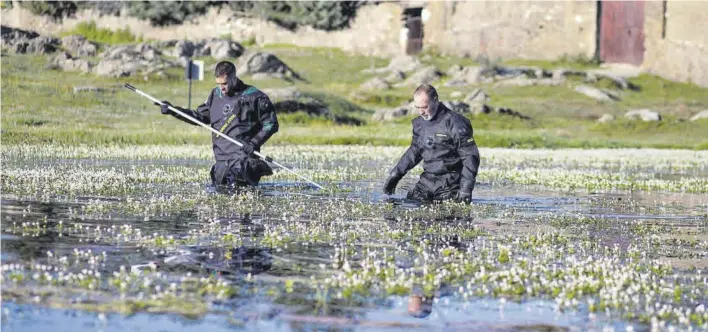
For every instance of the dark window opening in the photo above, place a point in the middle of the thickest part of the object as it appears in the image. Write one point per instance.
(414, 23)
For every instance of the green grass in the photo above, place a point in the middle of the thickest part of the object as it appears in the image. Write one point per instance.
(579, 61)
(102, 35)
(45, 109)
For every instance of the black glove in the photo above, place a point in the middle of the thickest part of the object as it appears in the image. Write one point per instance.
(464, 197)
(391, 183)
(247, 147)
(164, 107)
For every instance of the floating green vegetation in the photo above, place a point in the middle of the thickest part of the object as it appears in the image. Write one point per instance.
(139, 233)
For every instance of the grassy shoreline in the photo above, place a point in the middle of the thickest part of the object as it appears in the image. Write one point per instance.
(39, 106)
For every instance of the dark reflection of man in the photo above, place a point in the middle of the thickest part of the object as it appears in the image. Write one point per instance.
(420, 306)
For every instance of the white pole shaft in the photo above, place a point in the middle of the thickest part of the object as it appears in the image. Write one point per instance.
(262, 156)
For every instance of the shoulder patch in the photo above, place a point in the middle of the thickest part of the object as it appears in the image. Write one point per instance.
(264, 103)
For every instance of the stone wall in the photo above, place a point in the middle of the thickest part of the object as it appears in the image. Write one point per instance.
(505, 29)
(681, 54)
(375, 31)
(513, 29)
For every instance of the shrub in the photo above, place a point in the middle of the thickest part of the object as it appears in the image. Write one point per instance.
(163, 13)
(55, 9)
(105, 36)
(323, 15)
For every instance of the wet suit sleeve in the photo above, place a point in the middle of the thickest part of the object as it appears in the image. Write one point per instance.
(411, 157)
(201, 113)
(268, 120)
(469, 154)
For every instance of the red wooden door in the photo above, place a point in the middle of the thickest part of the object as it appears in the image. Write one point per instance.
(622, 32)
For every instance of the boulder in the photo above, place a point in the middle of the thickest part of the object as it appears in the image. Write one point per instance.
(593, 93)
(183, 48)
(79, 45)
(403, 63)
(424, 76)
(282, 94)
(375, 84)
(606, 118)
(22, 42)
(262, 62)
(389, 114)
(64, 61)
(223, 49)
(643, 114)
(700, 116)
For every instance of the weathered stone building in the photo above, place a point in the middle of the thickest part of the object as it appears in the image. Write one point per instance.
(667, 38)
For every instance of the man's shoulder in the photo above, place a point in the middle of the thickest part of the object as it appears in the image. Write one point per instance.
(253, 92)
(457, 119)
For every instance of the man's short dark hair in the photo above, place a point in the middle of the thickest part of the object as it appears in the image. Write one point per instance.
(428, 90)
(225, 68)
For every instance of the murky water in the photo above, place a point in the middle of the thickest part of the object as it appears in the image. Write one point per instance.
(167, 255)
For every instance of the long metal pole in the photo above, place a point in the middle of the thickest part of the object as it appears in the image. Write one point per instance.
(260, 155)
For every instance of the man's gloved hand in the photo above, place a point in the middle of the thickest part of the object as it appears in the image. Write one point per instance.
(464, 197)
(164, 108)
(391, 183)
(247, 147)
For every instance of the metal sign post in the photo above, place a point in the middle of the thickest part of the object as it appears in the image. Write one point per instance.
(193, 70)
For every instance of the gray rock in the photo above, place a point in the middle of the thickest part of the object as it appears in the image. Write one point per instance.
(518, 81)
(465, 76)
(620, 82)
(143, 51)
(164, 43)
(261, 76)
(404, 63)
(643, 114)
(395, 76)
(79, 45)
(282, 94)
(456, 94)
(593, 93)
(183, 48)
(456, 82)
(700, 116)
(262, 62)
(22, 41)
(182, 61)
(388, 114)
(558, 75)
(477, 97)
(477, 109)
(224, 49)
(457, 106)
(424, 76)
(127, 60)
(606, 118)
(477, 102)
(64, 61)
(79, 89)
(116, 68)
(454, 70)
(375, 84)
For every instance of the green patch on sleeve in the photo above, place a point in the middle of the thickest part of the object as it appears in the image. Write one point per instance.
(267, 126)
(250, 91)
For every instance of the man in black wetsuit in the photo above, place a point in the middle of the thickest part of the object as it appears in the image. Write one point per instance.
(241, 112)
(444, 141)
